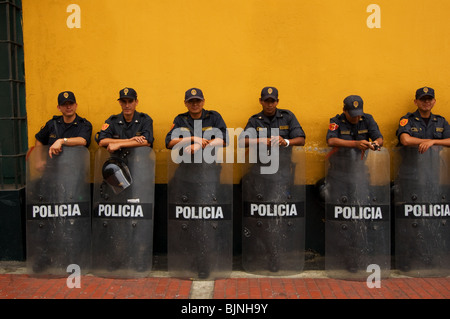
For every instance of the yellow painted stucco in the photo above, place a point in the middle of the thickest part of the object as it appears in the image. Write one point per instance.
(315, 52)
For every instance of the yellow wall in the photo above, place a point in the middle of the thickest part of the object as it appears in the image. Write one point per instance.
(315, 52)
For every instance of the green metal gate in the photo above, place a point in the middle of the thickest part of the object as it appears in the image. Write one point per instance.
(13, 131)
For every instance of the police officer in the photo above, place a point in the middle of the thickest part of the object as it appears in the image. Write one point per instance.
(53, 187)
(351, 134)
(127, 129)
(194, 102)
(418, 181)
(354, 128)
(197, 183)
(290, 130)
(68, 129)
(423, 128)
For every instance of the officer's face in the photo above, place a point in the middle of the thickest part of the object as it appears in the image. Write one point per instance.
(426, 103)
(269, 106)
(351, 119)
(68, 108)
(195, 107)
(128, 106)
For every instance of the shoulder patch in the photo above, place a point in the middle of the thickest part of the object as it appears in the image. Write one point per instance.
(403, 122)
(105, 126)
(333, 127)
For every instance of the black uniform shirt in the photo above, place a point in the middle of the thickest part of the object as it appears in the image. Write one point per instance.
(209, 120)
(365, 129)
(284, 120)
(56, 129)
(116, 127)
(414, 125)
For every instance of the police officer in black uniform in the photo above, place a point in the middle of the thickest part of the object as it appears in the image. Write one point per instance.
(354, 128)
(195, 101)
(196, 183)
(418, 181)
(423, 128)
(127, 129)
(68, 129)
(272, 127)
(351, 134)
(290, 130)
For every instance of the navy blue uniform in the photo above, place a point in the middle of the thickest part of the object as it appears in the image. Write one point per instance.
(209, 120)
(284, 120)
(56, 129)
(366, 129)
(414, 125)
(116, 127)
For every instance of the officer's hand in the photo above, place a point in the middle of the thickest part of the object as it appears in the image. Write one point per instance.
(112, 147)
(425, 145)
(202, 141)
(193, 148)
(363, 144)
(375, 147)
(139, 139)
(276, 140)
(264, 140)
(55, 149)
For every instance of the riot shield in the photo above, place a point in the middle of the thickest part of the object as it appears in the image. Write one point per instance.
(200, 197)
(273, 221)
(422, 211)
(58, 210)
(357, 212)
(122, 216)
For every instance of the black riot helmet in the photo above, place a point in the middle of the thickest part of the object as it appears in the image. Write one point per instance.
(117, 174)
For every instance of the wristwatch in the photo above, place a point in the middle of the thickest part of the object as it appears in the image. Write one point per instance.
(287, 142)
(65, 140)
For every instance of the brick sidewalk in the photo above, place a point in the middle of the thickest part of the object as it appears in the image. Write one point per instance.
(21, 286)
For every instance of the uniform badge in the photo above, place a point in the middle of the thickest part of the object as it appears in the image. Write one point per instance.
(194, 92)
(270, 91)
(425, 90)
(66, 95)
(355, 104)
(333, 127)
(105, 126)
(403, 122)
(125, 91)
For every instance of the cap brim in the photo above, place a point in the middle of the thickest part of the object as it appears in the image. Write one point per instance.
(426, 94)
(194, 97)
(355, 112)
(269, 97)
(67, 100)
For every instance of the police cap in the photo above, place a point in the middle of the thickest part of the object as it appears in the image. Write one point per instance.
(354, 105)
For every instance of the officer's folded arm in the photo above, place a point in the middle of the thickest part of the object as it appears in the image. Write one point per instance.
(113, 144)
(338, 142)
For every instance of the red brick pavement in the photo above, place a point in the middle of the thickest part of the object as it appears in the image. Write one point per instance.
(19, 286)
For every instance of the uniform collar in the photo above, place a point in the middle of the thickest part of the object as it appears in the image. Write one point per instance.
(342, 118)
(418, 117)
(60, 119)
(262, 116)
(205, 114)
(135, 118)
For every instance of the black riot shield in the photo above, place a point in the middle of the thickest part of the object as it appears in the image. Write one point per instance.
(273, 221)
(199, 219)
(357, 227)
(422, 211)
(122, 216)
(58, 227)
